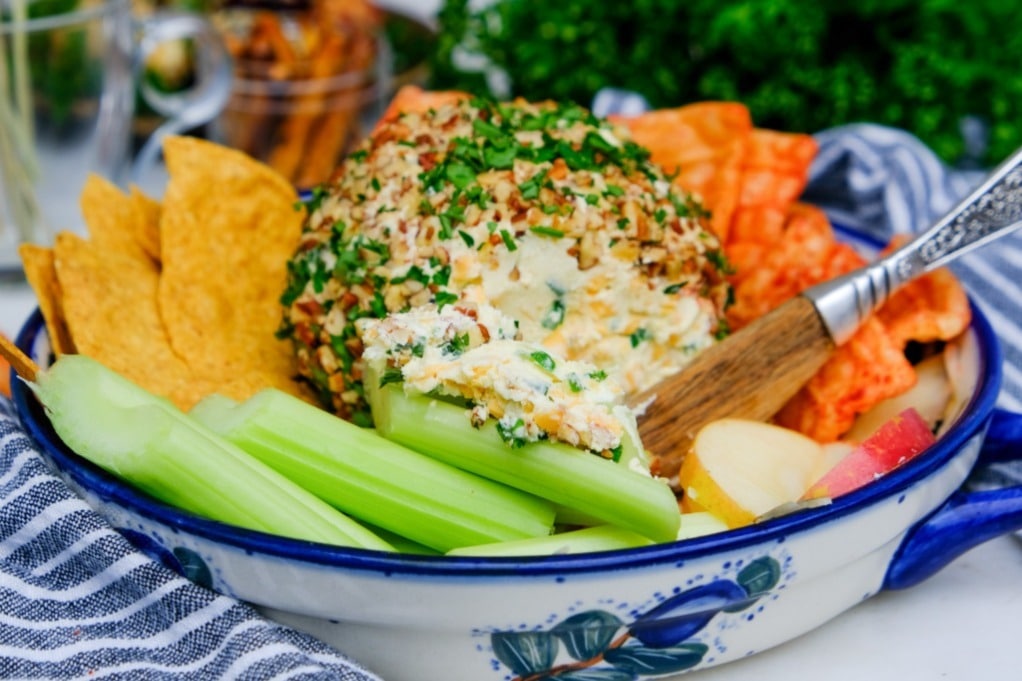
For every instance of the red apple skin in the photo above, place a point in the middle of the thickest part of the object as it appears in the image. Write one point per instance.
(899, 439)
(894, 443)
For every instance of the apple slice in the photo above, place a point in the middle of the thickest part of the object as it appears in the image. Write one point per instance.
(895, 442)
(833, 453)
(929, 396)
(740, 469)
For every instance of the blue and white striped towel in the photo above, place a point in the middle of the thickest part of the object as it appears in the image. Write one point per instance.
(77, 600)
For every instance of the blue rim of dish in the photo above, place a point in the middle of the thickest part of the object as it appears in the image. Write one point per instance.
(972, 422)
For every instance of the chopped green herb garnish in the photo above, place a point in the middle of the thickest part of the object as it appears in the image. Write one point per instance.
(379, 248)
(476, 195)
(377, 305)
(513, 435)
(414, 273)
(720, 261)
(530, 188)
(598, 375)
(391, 375)
(456, 345)
(487, 129)
(460, 174)
(599, 143)
(555, 315)
(446, 226)
(639, 335)
(442, 275)
(433, 178)
(443, 298)
(509, 240)
(500, 158)
(467, 238)
(575, 383)
(547, 231)
(543, 359)
(337, 344)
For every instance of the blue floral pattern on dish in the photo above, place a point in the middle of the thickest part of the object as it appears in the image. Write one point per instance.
(603, 647)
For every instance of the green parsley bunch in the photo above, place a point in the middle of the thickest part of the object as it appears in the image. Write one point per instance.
(799, 65)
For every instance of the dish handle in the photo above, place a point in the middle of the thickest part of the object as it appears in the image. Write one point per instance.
(968, 518)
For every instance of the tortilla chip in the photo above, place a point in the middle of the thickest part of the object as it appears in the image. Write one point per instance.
(147, 231)
(111, 216)
(110, 304)
(228, 228)
(5, 377)
(38, 263)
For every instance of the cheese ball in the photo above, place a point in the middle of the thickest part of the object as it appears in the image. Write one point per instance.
(541, 210)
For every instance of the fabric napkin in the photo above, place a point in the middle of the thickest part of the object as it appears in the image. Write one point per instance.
(78, 601)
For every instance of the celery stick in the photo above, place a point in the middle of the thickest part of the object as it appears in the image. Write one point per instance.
(403, 544)
(375, 480)
(699, 523)
(151, 444)
(569, 477)
(572, 517)
(585, 540)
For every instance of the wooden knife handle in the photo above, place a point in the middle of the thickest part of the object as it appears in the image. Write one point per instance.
(749, 375)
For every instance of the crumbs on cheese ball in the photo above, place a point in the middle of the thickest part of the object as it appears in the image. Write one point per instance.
(542, 210)
(472, 353)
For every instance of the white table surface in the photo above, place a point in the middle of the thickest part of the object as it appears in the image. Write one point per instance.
(963, 624)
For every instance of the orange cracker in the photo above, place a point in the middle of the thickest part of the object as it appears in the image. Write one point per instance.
(774, 173)
(866, 370)
(414, 98)
(705, 144)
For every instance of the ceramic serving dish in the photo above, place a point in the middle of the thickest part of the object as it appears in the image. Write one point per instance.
(640, 613)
